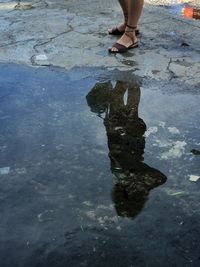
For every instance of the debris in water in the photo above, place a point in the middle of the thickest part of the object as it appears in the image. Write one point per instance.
(176, 151)
(194, 178)
(151, 130)
(4, 170)
(21, 170)
(45, 216)
(195, 152)
(173, 130)
(177, 193)
(87, 203)
(184, 44)
(162, 124)
(23, 6)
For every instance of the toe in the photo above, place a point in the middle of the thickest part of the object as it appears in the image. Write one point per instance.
(113, 49)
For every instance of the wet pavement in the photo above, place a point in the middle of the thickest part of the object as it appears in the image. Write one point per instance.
(97, 169)
(99, 154)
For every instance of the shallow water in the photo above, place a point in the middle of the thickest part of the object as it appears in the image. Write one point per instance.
(96, 168)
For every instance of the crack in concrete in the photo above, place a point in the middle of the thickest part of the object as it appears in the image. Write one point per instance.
(50, 40)
(17, 42)
(171, 73)
(192, 78)
(32, 59)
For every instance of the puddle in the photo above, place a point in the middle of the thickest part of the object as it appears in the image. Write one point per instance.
(104, 169)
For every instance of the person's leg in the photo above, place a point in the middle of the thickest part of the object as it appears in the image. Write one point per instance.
(134, 11)
(124, 5)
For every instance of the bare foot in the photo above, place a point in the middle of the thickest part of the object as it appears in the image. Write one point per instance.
(121, 27)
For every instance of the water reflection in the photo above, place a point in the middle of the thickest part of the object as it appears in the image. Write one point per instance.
(118, 106)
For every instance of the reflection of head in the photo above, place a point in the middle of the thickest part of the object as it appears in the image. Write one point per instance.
(126, 143)
(131, 190)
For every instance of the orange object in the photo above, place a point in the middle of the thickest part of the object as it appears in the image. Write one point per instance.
(190, 12)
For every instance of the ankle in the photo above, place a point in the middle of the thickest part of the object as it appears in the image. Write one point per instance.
(130, 27)
(122, 26)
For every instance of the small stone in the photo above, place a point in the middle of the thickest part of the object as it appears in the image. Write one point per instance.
(23, 6)
(41, 57)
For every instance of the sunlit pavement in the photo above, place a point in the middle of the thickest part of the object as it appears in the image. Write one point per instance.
(65, 34)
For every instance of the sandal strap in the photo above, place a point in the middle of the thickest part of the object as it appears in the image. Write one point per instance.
(131, 27)
(130, 36)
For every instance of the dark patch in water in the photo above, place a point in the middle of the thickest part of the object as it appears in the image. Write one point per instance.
(195, 152)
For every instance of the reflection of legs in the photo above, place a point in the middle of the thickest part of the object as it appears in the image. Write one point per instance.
(133, 98)
(133, 95)
(117, 100)
(134, 12)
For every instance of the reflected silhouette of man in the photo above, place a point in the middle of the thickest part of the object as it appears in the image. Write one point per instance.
(126, 143)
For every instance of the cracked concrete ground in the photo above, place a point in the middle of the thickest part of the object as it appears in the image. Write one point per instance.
(74, 33)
